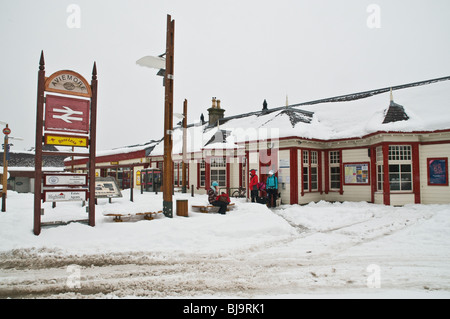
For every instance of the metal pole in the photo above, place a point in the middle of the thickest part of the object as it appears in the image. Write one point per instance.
(168, 121)
(92, 146)
(184, 163)
(5, 173)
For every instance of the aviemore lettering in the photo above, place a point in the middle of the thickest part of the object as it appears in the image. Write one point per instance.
(64, 78)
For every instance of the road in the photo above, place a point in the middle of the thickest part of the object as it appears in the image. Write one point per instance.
(357, 259)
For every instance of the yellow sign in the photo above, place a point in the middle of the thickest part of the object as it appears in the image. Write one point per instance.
(66, 140)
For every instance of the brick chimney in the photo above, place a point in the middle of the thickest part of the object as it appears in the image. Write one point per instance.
(215, 112)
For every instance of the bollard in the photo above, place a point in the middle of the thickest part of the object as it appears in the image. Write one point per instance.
(182, 207)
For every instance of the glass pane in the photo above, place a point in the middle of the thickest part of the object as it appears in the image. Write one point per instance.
(335, 185)
(406, 177)
(406, 168)
(395, 186)
(406, 186)
(394, 177)
(394, 168)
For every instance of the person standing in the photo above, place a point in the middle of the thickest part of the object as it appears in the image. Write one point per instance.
(253, 185)
(213, 198)
(272, 189)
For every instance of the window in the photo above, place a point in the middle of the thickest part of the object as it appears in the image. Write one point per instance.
(400, 168)
(314, 172)
(305, 170)
(218, 171)
(305, 178)
(244, 171)
(380, 177)
(175, 174)
(380, 172)
(310, 170)
(399, 153)
(400, 177)
(335, 170)
(202, 173)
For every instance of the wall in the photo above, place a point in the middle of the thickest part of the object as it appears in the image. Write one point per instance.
(356, 193)
(433, 194)
(284, 180)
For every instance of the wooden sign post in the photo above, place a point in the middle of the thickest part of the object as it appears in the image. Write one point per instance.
(168, 120)
(74, 113)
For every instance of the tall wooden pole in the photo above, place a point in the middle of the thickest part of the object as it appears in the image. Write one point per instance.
(92, 146)
(168, 120)
(184, 163)
(38, 146)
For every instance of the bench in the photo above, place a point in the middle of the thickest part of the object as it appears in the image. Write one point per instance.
(149, 215)
(118, 217)
(211, 208)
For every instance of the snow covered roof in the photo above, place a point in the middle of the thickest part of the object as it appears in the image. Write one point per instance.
(418, 106)
(24, 160)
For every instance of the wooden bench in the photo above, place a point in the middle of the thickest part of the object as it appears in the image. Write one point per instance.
(149, 215)
(210, 208)
(118, 217)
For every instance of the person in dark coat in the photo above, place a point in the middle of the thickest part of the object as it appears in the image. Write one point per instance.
(214, 198)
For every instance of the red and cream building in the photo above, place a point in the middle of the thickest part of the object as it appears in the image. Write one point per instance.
(388, 146)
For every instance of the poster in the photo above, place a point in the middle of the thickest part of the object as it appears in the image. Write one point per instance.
(106, 187)
(437, 171)
(356, 173)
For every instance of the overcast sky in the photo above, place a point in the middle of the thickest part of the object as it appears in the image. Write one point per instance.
(241, 52)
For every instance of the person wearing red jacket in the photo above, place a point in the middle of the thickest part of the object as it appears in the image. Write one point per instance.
(214, 198)
(253, 185)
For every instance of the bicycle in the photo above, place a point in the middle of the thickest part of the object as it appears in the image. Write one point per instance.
(240, 192)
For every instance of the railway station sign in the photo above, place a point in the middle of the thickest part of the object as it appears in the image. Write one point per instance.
(66, 114)
(66, 140)
(68, 82)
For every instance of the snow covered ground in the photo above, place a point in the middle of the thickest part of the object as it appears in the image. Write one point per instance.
(321, 250)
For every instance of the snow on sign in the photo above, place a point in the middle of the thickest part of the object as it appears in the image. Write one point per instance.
(65, 195)
(66, 114)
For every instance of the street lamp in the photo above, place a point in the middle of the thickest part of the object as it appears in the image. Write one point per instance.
(166, 68)
(6, 144)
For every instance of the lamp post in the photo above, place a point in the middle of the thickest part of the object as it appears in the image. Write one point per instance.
(166, 64)
(6, 131)
(184, 163)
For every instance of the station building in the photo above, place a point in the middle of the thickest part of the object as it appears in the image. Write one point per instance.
(387, 146)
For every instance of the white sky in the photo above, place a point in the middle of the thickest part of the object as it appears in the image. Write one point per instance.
(241, 52)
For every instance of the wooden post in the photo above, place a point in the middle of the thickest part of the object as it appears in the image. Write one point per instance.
(38, 146)
(168, 120)
(184, 162)
(92, 146)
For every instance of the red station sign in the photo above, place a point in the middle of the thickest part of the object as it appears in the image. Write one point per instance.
(66, 114)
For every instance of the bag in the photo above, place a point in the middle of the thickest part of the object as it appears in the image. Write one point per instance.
(223, 198)
(261, 200)
(261, 186)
